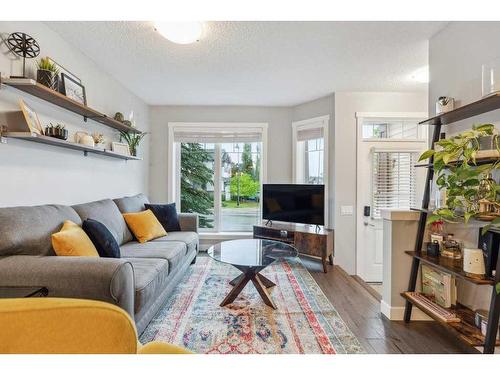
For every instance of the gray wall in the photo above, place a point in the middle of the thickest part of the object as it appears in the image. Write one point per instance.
(344, 166)
(315, 108)
(456, 55)
(342, 133)
(279, 163)
(36, 174)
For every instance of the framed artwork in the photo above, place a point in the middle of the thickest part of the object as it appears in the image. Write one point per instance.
(73, 89)
(31, 118)
(62, 69)
(120, 148)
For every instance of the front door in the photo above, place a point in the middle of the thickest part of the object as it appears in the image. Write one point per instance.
(387, 149)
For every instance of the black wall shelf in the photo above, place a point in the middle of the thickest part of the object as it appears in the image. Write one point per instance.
(479, 107)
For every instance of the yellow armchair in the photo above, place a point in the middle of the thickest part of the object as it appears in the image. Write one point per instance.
(76, 326)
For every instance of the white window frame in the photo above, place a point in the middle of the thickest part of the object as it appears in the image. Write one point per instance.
(174, 165)
(363, 116)
(412, 143)
(313, 123)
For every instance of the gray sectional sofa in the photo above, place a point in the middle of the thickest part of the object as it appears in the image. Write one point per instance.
(139, 282)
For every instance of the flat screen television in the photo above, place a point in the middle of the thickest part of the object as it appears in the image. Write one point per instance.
(294, 203)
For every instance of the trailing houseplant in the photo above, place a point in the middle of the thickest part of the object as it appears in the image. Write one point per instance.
(133, 140)
(47, 73)
(458, 175)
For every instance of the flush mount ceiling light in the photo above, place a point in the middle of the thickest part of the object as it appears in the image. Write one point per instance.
(180, 32)
(421, 75)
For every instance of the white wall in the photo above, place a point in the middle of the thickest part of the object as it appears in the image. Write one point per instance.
(37, 174)
(344, 163)
(279, 169)
(456, 55)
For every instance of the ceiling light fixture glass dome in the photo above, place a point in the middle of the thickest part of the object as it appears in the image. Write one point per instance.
(180, 32)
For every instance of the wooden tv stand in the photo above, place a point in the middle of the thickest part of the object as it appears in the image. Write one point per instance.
(307, 239)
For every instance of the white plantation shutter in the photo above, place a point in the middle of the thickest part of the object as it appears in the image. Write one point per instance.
(393, 181)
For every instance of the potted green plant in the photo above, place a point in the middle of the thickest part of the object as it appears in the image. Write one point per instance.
(47, 73)
(133, 140)
(458, 174)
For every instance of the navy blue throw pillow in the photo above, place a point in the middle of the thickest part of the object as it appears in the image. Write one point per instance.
(166, 215)
(101, 237)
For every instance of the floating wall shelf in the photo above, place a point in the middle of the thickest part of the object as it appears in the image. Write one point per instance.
(34, 88)
(484, 105)
(32, 137)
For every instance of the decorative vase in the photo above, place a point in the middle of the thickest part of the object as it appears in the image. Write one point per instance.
(491, 78)
(48, 78)
(84, 138)
(444, 104)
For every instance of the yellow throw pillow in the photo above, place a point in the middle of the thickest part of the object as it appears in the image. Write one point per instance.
(144, 225)
(71, 240)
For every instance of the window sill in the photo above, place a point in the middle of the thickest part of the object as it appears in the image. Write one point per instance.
(224, 235)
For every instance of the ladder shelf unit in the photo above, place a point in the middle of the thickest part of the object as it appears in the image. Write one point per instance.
(465, 330)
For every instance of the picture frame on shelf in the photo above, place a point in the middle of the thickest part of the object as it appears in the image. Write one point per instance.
(73, 89)
(62, 69)
(31, 118)
(120, 148)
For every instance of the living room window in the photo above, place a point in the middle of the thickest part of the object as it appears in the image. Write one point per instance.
(217, 171)
(310, 153)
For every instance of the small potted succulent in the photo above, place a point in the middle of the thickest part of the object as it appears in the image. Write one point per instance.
(59, 131)
(47, 73)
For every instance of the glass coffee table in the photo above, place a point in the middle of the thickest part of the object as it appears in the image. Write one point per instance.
(251, 256)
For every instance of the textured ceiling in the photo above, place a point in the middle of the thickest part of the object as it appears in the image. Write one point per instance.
(256, 63)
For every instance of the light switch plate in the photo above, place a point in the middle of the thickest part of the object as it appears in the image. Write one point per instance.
(346, 210)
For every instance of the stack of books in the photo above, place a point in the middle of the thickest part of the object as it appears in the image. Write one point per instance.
(438, 312)
(439, 287)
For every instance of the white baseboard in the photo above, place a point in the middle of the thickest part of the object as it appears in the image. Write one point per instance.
(397, 312)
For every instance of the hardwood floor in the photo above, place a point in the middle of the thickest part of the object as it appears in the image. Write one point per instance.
(361, 312)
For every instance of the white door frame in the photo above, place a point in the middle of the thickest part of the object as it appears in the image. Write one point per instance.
(174, 162)
(313, 123)
(360, 117)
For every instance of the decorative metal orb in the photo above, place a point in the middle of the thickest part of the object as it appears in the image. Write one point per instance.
(23, 45)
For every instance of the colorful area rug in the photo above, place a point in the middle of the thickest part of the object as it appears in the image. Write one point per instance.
(305, 321)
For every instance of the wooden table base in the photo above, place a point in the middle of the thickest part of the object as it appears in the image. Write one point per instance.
(260, 282)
